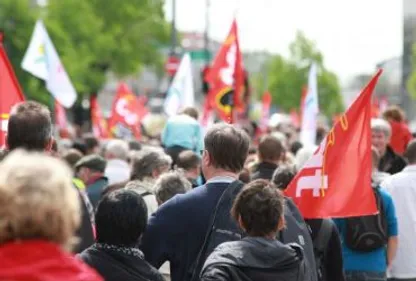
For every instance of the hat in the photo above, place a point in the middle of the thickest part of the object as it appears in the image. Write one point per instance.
(94, 162)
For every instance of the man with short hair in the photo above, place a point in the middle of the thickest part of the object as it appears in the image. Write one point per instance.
(182, 132)
(190, 163)
(390, 162)
(116, 153)
(270, 152)
(90, 169)
(30, 128)
(402, 188)
(180, 229)
(92, 145)
(170, 184)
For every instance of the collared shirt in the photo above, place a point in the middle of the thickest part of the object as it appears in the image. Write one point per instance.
(222, 179)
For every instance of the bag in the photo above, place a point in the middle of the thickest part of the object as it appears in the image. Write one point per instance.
(222, 228)
(320, 245)
(368, 233)
(297, 231)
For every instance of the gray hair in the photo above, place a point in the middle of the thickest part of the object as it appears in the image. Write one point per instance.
(381, 125)
(170, 184)
(303, 155)
(118, 149)
(146, 161)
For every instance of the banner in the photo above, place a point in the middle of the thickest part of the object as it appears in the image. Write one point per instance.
(99, 124)
(310, 110)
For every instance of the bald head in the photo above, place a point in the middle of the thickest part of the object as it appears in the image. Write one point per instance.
(411, 152)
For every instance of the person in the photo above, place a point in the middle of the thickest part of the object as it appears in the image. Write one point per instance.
(371, 261)
(377, 176)
(71, 157)
(134, 145)
(402, 188)
(170, 184)
(390, 162)
(323, 240)
(30, 128)
(258, 209)
(148, 166)
(39, 215)
(90, 169)
(168, 236)
(121, 219)
(182, 132)
(190, 163)
(117, 169)
(400, 133)
(270, 152)
(92, 145)
(303, 155)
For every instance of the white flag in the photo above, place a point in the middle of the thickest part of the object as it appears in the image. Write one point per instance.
(181, 90)
(310, 110)
(42, 61)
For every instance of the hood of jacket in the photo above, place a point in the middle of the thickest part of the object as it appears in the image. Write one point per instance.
(41, 261)
(142, 186)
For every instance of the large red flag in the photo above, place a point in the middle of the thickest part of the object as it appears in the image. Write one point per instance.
(126, 114)
(10, 92)
(336, 181)
(99, 124)
(226, 77)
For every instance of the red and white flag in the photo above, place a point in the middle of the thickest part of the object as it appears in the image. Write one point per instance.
(60, 120)
(336, 181)
(99, 124)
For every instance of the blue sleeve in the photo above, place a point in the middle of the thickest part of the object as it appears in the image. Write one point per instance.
(199, 139)
(390, 212)
(165, 135)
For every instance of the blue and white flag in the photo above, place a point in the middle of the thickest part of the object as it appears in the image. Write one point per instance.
(311, 110)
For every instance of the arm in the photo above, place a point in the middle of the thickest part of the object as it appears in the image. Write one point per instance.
(391, 249)
(391, 227)
(333, 259)
(164, 135)
(199, 139)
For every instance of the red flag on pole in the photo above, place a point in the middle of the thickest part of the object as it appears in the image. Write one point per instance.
(226, 78)
(266, 103)
(99, 124)
(60, 120)
(336, 181)
(10, 92)
(126, 114)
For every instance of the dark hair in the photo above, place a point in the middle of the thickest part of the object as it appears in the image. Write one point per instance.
(244, 175)
(72, 156)
(134, 145)
(80, 146)
(270, 148)
(188, 160)
(260, 207)
(410, 153)
(90, 142)
(29, 127)
(121, 218)
(394, 113)
(227, 147)
(192, 112)
(283, 175)
(294, 148)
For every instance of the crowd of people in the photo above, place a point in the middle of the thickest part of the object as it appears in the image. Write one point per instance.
(199, 206)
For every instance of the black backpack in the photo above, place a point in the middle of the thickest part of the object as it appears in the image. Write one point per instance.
(368, 233)
(320, 246)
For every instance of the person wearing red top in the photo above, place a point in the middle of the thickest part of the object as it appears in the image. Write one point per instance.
(400, 133)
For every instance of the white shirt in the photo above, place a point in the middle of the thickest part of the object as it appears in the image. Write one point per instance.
(402, 187)
(117, 171)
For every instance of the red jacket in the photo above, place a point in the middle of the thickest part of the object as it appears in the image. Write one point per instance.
(400, 136)
(37, 260)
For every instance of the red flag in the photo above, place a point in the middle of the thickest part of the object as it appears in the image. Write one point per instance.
(294, 116)
(10, 92)
(336, 181)
(226, 77)
(60, 120)
(99, 124)
(265, 104)
(126, 114)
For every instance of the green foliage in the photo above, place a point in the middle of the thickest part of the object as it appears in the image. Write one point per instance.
(411, 81)
(287, 77)
(91, 37)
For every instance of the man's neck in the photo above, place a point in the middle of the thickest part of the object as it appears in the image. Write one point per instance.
(221, 173)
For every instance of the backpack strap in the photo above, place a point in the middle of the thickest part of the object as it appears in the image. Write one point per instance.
(320, 244)
(145, 193)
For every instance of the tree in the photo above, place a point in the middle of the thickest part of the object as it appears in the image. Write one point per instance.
(287, 77)
(91, 37)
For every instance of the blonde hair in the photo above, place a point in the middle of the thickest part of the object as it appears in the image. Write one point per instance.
(37, 199)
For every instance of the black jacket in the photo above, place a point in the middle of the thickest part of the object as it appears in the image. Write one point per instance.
(391, 162)
(255, 259)
(85, 232)
(116, 264)
(264, 171)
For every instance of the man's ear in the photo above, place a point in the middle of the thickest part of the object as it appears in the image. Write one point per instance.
(49, 145)
(282, 223)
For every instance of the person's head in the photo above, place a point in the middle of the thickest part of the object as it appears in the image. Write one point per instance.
(295, 147)
(226, 150)
(191, 112)
(270, 149)
(29, 127)
(394, 113)
(190, 162)
(149, 163)
(380, 135)
(113, 187)
(283, 175)
(117, 149)
(80, 146)
(375, 158)
(170, 184)
(121, 218)
(90, 167)
(258, 209)
(71, 157)
(410, 152)
(92, 145)
(37, 199)
(303, 155)
(134, 145)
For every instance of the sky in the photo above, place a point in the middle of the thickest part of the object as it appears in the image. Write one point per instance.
(353, 35)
